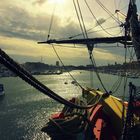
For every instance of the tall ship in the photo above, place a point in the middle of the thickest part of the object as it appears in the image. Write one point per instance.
(97, 114)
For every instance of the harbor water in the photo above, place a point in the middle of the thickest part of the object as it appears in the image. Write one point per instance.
(24, 110)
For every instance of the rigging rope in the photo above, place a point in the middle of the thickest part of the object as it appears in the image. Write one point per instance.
(65, 67)
(98, 25)
(99, 2)
(90, 49)
(78, 18)
(27, 77)
(125, 78)
(91, 32)
(116, 85)
(96, 71)
(116, 19)
(97, 20)
(52, 18)
(86, 35)
(107, 29)
(131, 54)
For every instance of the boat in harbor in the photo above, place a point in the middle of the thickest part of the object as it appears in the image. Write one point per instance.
(2, 90)
(98, 114)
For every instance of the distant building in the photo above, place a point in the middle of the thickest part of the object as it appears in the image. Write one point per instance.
(57, 63)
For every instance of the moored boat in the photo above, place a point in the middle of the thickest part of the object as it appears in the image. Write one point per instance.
(2, 90)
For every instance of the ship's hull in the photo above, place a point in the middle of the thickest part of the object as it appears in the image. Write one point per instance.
(112, 111)
(101, 122)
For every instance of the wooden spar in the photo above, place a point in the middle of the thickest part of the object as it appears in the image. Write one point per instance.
(120, 39)
(134, 25)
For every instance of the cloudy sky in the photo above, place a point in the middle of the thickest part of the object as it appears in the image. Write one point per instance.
(25, 22)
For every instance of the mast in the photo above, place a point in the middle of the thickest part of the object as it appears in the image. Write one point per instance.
(134, 26)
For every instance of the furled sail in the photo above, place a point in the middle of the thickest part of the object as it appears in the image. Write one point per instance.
(134, 25)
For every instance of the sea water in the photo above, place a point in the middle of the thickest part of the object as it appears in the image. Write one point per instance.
(24, 110)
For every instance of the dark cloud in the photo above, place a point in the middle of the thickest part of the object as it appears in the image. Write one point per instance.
(16, 22)
(100, 21)
(39, 2)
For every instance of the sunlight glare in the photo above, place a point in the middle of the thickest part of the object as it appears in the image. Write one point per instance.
(57, 1)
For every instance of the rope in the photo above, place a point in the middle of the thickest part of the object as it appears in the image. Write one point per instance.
(52, 17)
(131, 54)
(97, 20)
(107, 29)
(91, 76)
(84, 121)
(86, 35)
(65, 67)
(94, 31)
(116, 19)
(95, 100)
(116, 85)
(91, 57)
(96, 71)
(82, 19)
(93, 28)
(104, 8)
(129, 124)
(27, 77)
(78, 18)
(125, 78)
(73, 122)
